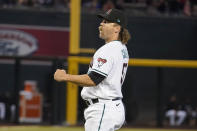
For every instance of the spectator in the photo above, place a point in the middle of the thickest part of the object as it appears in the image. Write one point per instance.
(188, 108)
(7, 3)
(193, 4)
(181, 114)
(91, 5)
(174, 112)
(152, 7)
(191, 112)
(25, 3)
(162, 6)
(174, 7)
(119, 4)
(194, 116)
(62, 4)
(187, 8)
(109, 4)
(2, 107)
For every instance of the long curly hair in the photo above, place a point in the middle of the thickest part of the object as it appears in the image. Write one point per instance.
(124, 35)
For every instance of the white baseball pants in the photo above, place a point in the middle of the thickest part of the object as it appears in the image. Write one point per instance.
(2, 110)
(106, 115)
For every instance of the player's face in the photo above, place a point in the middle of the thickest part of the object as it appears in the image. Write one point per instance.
(106, 30)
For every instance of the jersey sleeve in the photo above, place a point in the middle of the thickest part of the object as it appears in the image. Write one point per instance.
(102, 63)
(96, 77)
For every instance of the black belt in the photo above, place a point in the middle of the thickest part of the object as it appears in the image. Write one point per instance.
(97, 100)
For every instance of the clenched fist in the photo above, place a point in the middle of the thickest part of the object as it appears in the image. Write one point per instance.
(60, 75)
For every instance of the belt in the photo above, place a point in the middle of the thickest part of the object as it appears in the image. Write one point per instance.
(93, 101)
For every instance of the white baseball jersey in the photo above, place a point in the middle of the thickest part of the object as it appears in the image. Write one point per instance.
(111, 61)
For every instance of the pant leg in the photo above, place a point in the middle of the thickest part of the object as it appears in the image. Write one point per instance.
(2, 110)
(13, 111)
(94, 117)
(171, 114)
(119, 110)
(108, 116)
(181, 117)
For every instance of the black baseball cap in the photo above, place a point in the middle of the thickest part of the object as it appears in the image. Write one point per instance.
(115, 16)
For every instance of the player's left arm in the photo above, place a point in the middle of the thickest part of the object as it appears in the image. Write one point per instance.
(90, 79)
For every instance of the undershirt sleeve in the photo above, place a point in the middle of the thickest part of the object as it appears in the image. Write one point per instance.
(96, 77)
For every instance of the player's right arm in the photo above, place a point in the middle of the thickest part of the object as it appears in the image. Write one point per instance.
(91, 79)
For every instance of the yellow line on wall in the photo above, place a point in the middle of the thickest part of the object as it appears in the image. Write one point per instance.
(163, 63)
(87, 50)
(147, 62)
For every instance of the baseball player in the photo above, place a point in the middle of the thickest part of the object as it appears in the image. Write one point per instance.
(102, 84)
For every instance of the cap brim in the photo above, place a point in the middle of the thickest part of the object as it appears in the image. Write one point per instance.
(106, 17)
(102, 16)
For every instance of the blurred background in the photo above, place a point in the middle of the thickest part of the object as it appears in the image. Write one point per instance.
(35, 41)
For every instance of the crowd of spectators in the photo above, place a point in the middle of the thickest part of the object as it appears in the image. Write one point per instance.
(181, 112)
(136, 7)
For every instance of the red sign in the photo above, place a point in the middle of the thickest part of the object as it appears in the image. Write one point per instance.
(19, 40)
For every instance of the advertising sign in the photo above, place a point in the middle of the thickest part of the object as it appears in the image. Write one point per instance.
(18, 40)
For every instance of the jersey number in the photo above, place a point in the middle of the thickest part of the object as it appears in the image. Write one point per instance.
(124, 70)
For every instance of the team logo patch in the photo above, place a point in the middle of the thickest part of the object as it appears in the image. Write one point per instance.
(109, 11)
(101, 61)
